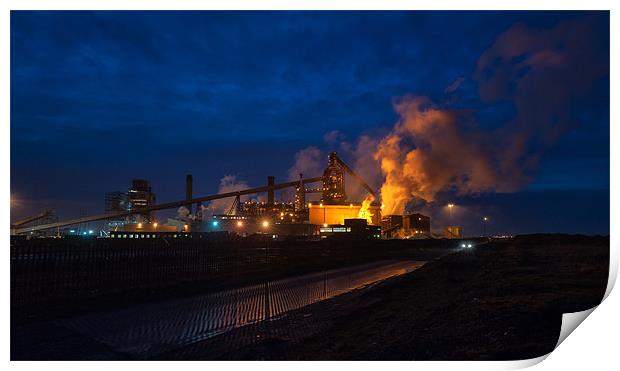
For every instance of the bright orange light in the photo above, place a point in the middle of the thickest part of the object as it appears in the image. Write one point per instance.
(265, 224)
(240, 224)
(309, 204)
(364, 212)
(139, 225)
(320, 205)
(281, 214)
(185, 226)
(324, 224)
(450, 205)
(350, 205)
(154, 225)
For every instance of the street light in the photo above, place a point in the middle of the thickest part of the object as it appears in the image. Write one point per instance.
(484, 226)
(450, 206)
(265, 224)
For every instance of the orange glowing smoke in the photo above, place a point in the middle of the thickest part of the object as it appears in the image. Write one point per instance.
(430, 150)
(364, 212)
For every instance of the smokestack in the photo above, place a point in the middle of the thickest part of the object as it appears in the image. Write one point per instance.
(270, 182)
(188, 190)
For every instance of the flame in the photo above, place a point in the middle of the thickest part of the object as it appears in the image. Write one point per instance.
(364, 212)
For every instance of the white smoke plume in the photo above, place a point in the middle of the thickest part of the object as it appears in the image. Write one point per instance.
(184, 214)
(309, 161)
(228, 183)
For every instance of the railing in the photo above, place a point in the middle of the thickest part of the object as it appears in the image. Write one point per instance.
(68, 270)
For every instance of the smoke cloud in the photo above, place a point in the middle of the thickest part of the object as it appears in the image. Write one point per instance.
(184, 214)
(430, 150)
(309, 161)
(228, 183)
(433, 149)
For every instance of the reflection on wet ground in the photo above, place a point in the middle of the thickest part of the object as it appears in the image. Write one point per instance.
(146, 331)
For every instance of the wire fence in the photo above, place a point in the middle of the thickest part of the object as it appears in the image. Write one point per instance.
(64, 270)
(44, 270)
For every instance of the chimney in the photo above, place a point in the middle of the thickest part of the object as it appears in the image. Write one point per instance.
(270, 182)
(188, 190)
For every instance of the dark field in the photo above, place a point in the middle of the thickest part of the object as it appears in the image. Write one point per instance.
(500, 301)
(56, 278)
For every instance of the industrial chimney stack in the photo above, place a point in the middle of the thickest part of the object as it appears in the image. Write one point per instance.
(270, 197)
(188, 190)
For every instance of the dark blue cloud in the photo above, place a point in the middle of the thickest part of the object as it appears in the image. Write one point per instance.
(98, 98)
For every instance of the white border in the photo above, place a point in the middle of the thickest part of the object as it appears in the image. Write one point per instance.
(597, 336)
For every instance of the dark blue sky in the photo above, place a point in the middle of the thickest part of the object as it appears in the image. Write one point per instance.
(100, 98)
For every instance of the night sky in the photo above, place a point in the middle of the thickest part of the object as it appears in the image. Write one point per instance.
(100, 98)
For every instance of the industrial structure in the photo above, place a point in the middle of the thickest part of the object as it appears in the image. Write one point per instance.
(138, 197)
(414, 225)
(133, 213)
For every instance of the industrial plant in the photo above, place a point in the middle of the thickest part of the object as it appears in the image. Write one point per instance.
(132, 213)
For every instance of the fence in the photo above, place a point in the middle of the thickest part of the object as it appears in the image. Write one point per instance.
(63, 270)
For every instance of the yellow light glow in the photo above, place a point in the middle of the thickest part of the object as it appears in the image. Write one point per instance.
(350, 205)
(309, 204)
(324, 224)
(154, 225)
(281, 214)
(139, 225)
(265, 224)
(320, 205)
(450, 205)
(185, 226)
(239, 224)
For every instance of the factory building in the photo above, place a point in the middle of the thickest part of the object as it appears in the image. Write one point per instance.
(336, 214)
(333, 208)
(270, 217)
(391, 226)
(453, 232)
(416, 224)
(351, 228)
(406, 226)
(116, 202)
(148, 228)
(140, 196)
(333, 181)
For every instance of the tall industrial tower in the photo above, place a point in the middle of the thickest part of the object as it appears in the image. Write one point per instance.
(333, 181)
(141, 196)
